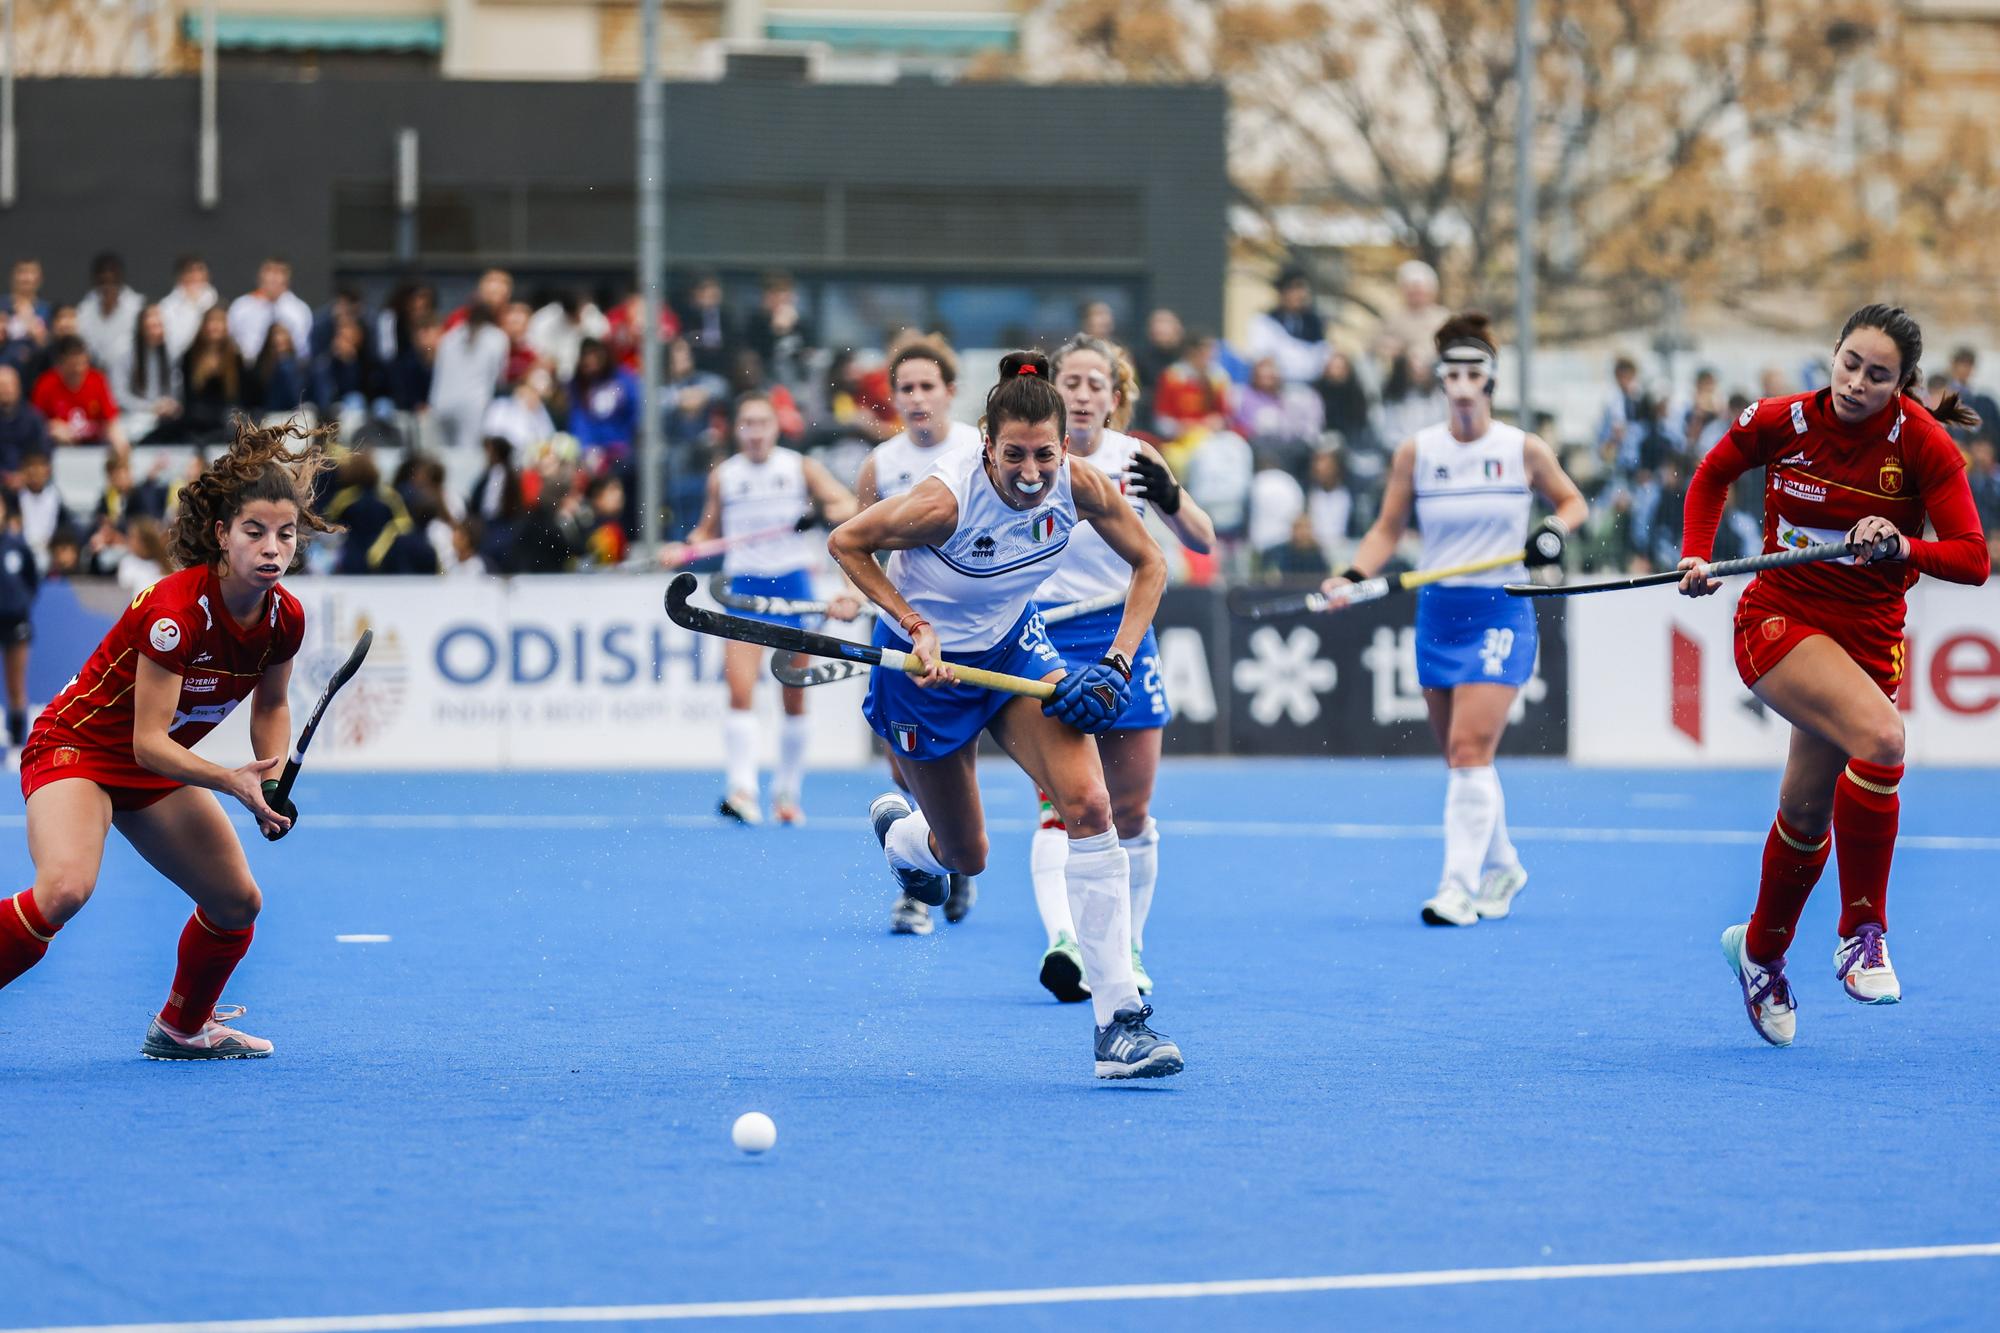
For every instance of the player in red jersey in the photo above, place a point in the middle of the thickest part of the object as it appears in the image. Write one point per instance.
(1822, 645)
(113, 748)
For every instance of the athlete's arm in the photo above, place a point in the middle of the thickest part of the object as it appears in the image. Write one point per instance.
(1394, 517)
(1959, 554)
(709, 526)
(1100, 504)
(155, 692)
(924, 515)
(1546, 475)
(1701, 513)
(836, 504)
(271, 715)
(1188, 521)
(865, 493)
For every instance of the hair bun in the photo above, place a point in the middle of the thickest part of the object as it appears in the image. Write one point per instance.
(1024, 363)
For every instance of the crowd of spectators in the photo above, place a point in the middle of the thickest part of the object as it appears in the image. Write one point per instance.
(533, 407)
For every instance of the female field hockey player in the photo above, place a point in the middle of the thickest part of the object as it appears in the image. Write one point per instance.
(923, 381)
(763, 488)
(971, 543)
(1098, 386)
(1470, 481)
(1822, 645)
(113, 748)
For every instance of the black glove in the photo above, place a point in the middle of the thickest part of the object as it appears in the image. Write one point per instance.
(284, 807)
(807, 522)
(1147, 476)
(1545, 542)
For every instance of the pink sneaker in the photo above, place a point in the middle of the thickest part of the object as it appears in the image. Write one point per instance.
(213, 1042)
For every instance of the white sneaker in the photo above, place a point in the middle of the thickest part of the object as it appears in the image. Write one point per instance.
(1766, 993)
(1861, 963)
(1451, 907)
(741, 806)
(1497, 888)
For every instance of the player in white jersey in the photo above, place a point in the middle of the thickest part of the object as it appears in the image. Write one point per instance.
(923, 380)
(1098, 385)
(1471, 481)
(971, 544)
(763, 489)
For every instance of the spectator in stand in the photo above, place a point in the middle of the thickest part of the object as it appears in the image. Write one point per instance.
(849, 414)
(76, 399)
(1704, 423)
(603, 407)
(380, 538)
(109, 311)
(779, 333)
(1298, 559)
(747, 376)
(1774, 383)
(212, 380)
(61, 325)
(40, 507)
(521, 416)
(1219, 474)
(344, 383)
(1984, 476)
(1271, 413)
(1193, 395)
(1963, 363)
(496, 503)
(626, 320)
(521, 354)
(1329, 503)
(22, 429)
(114, 502)
(493, 294)
(65, 555)
(1276, 498)
(410, 373)
(281, 380)
(1416, 321)
(20, 581)
(708, 326)
(272, 301)
(1097, 320)
(345, 305)
(144, 561)
(146, 380)
(420, 480)
(1291, 332)
(1166, 341)
(1412, 398)
(604, 500)
(182, 308)
(471, 357)
(1621, 425)
(555, 532)
(693, 400)
(1344, 405)
(410, 307)
(24, 332)
(149, 496)
(562, 320)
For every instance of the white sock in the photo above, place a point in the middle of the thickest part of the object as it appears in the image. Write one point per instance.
(1048, 855)
(739, 748)
(1100, 898)
(1471, 802)
(1500, 853)
(909, 844)
(1144, 854)
(793, 734)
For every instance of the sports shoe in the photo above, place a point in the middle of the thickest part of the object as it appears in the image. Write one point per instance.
(1451, 907)
(1127, 1048)
(1497, 888)
(1062, 970)
(213, 1042)
(786, 810)
(926, 887)
(1139, 973)
(1862, 965)
(964, 893)
(909, 917)
(1766, 993)
(741, 806)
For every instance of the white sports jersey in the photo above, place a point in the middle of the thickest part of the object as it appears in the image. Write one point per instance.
(1472, 500)
(757, 497)
(975, 585)
(1090, 568)
(901, 464)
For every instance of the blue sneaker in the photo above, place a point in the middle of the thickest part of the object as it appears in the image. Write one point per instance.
(1127, 1048)
(929, 889)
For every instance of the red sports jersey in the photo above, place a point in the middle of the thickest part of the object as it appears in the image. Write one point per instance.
(181, 623)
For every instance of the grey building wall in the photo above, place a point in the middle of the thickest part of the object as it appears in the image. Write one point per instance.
(996, 180)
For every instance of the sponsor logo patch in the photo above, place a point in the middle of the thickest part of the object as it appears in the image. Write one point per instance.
(1798, 418)
(1773, 628)
(1749, 413)
(165, 635)
(64, 755)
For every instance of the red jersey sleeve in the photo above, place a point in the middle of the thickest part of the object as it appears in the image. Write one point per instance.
(164, 630)
(1746, 445)
(1959, 553)
(289, 634)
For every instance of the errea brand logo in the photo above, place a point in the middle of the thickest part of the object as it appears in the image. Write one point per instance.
(982, 547)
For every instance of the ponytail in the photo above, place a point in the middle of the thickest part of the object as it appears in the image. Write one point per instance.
(1024, 393)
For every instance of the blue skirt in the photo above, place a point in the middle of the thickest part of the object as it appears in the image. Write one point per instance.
(1473, 636)
(931, 723)
(796, 586)
(1085, 640)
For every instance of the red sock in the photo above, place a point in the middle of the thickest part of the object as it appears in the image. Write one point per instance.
(1866, 811)
(1792, 865)
(208, 955)
(24, 935)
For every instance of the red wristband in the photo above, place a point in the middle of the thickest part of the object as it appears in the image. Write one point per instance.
(909, 628)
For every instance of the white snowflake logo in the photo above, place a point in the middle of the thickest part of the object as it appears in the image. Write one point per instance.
(1285, 675)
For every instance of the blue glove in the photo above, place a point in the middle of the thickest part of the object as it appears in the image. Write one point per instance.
(1092, 699)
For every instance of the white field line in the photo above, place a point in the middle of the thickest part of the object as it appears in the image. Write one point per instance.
(980, 1300)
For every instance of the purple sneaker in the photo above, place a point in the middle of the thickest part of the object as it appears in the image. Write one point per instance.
(1861, 962)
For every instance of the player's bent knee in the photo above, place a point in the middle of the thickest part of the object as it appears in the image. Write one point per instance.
(965, 857)
(1086, 813)
(61, 891)
(239, 911)
(1883, 743)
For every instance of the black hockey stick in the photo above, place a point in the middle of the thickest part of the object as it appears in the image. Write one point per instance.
(1749, 564)
(340, 678)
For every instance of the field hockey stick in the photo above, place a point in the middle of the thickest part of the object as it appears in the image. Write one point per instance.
(718, 588)
(827, 673)
(1368, 590)
(702, 550)
(783, 637)
(1749, 564)
(298, 755)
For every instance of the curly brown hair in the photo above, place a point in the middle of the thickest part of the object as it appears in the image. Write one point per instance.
(260, 465)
